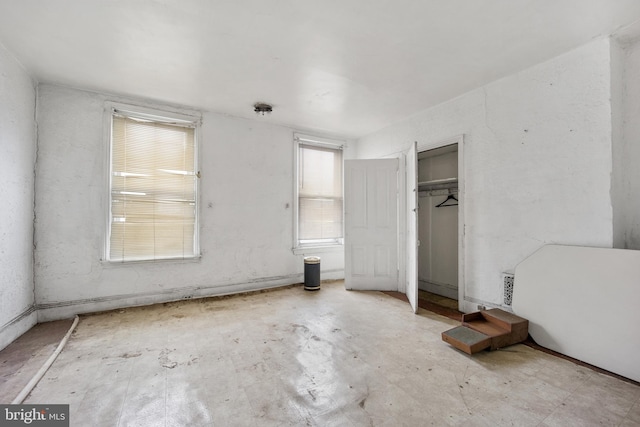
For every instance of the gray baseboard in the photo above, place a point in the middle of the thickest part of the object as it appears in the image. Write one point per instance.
(17, 326)
(443, 289)
(66, 309)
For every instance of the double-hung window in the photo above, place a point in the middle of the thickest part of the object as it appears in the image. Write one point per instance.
(153, 211)
(318, 193)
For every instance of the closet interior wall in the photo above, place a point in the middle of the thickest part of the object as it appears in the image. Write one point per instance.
(438, 226)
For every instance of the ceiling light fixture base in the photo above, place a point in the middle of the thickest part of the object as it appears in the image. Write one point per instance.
(262, 108)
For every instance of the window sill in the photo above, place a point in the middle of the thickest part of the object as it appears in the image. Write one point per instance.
(312, 250)
(109, 263)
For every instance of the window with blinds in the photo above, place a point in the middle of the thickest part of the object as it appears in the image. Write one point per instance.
(319, 194)
(153, 212)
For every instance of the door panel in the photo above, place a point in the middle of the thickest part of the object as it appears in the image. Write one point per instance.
(357, 199)
(411, 260)
(359, 261)
(383, 257)
(371, 224)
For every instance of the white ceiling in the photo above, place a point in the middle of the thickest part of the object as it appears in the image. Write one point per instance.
(345, 67)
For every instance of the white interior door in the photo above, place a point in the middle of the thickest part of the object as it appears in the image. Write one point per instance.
(411, 260)
(371, 224)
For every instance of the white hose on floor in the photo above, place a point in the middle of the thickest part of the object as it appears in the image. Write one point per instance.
(38, 376)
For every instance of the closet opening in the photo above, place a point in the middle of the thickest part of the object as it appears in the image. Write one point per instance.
(438, 227)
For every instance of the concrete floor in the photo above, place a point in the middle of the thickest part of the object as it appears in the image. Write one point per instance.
(327, 358)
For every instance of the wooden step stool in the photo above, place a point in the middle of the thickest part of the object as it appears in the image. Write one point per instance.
(492, 329)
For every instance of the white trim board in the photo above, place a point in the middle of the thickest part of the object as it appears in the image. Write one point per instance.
(583, 302)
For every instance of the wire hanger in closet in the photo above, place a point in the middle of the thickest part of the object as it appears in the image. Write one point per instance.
(445, 204)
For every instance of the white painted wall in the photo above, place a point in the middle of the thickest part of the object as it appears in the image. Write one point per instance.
(626, 142)
(618, 186)
(538, 162)
(17, 157)
(246, 213)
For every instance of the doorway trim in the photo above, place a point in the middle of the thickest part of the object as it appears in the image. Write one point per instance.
(425, 146)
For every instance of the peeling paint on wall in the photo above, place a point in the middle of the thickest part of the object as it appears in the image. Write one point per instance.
(537, 161)
(17, 156)
(245, 234)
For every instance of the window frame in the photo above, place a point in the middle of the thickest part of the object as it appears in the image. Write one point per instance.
(324, 245)
(159, 115)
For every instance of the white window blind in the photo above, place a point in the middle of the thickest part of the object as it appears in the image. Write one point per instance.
(153, 190)
(319, 194)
